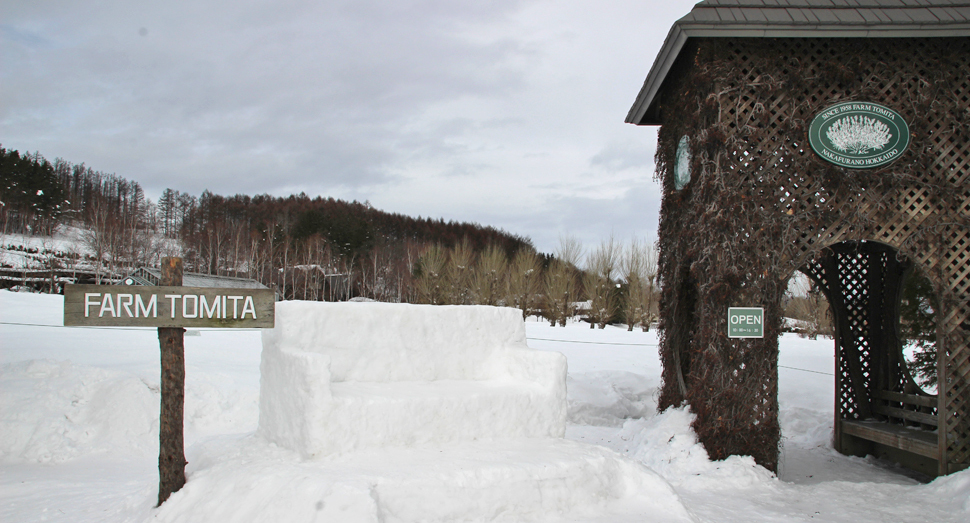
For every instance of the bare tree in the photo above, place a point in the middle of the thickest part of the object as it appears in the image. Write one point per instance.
(146, 248)
(237, 245)
(490, 279)
(560, 287)
(102, 239)
(51, 262)
(598, 282)
(459, 273)
(431, 278)
(525, 282)
(650, 298)
(806, 303)
(570, 250)
(640, 271)
(560, 280)
(73, 257)
(405, 265)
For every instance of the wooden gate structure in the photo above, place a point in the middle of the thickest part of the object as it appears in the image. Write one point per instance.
(747, 202)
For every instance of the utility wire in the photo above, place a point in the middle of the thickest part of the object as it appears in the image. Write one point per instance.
(597, 342)
(655, 345)
(806, 370)
(115, 328)
(74, 327)
(535, 339)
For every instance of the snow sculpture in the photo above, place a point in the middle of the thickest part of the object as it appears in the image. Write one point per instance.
(339, 377)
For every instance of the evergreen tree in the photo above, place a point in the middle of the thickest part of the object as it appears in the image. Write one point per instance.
(917, 312)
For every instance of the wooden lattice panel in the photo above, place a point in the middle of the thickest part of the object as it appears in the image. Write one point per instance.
(849, 275)
(761, 204)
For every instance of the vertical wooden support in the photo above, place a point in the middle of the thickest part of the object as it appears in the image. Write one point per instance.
(171, 445)
(942, 393)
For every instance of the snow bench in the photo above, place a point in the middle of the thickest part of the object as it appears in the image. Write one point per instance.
(339, 377)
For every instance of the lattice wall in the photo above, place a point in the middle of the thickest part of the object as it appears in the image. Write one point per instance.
(761, 205)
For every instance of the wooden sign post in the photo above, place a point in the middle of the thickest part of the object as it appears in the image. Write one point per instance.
(171, 308)
(171, 445)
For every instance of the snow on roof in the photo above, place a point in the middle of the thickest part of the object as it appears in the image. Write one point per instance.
(151, 276)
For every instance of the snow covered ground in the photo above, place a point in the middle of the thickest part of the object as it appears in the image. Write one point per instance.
(79, 437)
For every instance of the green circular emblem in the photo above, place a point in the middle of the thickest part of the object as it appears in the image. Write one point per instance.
(858, 135)
(682, 163)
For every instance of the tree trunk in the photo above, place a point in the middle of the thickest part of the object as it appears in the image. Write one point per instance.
(171, 445)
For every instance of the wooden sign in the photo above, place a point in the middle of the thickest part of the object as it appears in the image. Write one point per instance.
(746, 322)
(148, 306)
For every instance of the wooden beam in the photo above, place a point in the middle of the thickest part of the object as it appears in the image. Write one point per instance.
(909, 399)
(909, 415)
(921, 442)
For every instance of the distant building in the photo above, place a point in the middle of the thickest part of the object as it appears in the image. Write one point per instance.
(151, 276)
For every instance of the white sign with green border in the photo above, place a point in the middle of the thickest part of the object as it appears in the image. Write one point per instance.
(858, 135)
(746, 322)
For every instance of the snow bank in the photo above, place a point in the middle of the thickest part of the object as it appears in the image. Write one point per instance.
(514, 480)
(337, 377)
(69, 455)
(667, 444)
(449, 414)
(609, 398)
(51, 412)
(57, 411)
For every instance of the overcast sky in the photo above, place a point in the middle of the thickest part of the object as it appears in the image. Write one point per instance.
(505, 113)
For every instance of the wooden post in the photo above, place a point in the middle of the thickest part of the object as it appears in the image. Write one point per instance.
(171, 445)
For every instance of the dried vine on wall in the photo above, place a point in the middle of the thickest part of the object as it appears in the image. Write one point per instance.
(761, 204)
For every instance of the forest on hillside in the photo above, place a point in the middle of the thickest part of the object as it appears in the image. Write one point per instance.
(313, 248)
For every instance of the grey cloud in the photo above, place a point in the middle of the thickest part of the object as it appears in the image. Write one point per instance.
(590, 220)
(617, 157)
(334, 84)
(433, 99)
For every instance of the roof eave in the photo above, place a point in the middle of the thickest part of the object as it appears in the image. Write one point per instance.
(644, 110)
(669, 52)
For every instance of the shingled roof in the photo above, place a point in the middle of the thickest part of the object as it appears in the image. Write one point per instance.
(799, 19)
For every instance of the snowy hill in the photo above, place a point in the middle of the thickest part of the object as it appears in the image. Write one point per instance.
(79, 437)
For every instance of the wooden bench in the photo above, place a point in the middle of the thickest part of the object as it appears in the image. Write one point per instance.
(907, 434)
(917, 441)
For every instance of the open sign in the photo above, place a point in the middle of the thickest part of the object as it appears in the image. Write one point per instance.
(746, 322)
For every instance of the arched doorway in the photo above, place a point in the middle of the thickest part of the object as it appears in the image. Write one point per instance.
(879, 408)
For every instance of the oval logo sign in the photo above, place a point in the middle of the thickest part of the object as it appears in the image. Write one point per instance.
(858, 135)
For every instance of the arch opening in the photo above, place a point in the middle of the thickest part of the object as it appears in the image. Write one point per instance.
(882, 310)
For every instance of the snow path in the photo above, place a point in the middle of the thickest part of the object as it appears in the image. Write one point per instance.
(78, 436)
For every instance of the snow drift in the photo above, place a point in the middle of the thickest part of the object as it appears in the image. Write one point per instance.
(79, 410)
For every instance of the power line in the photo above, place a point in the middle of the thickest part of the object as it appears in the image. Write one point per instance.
(112, 328)
(534, 339)
(597, 342)
(655, 345)
(806, 370)
(74, 327)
